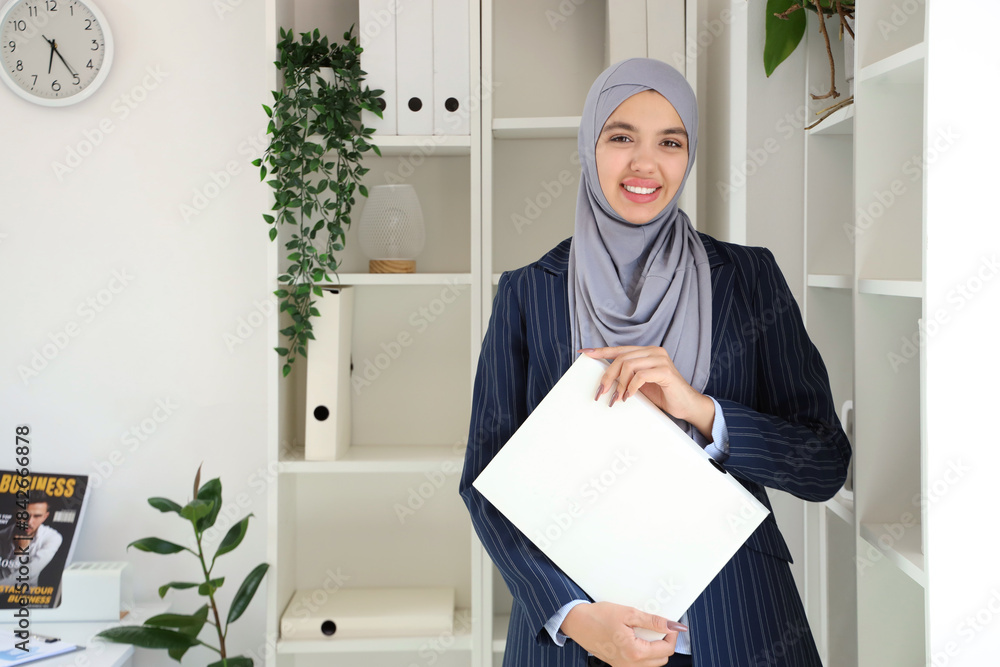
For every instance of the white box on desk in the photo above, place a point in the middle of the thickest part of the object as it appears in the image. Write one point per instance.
(91, 591)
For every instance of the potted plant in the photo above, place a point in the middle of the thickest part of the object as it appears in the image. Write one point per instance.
(784, 26)
(179, 632)
(314, 159)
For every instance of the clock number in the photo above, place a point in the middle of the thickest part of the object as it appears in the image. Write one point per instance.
(34, 80)
(20, 26)
(90, 64)
(76, 79)
(12, 46)
(89, 22)
(50, 5)
(20, 66)
(95, 46)
(55, 86)
(33, 10)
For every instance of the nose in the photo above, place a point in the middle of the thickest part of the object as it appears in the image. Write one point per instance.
(642, 159)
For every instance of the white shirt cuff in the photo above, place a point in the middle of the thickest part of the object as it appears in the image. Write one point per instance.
(718, 449)
(554, 623)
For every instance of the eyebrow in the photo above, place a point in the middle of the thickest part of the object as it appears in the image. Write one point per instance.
(628, 127)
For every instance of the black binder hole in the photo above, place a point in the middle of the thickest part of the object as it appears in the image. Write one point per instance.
(451, 104)
(381, 104)
(415, 104)
(328, 628)
(321, 413)
(717, 466)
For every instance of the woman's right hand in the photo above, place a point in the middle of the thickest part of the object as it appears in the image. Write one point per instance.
(607, 630)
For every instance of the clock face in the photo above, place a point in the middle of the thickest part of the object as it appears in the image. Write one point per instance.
(54, 52)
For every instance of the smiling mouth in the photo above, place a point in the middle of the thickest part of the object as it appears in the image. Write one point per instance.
(640, 191)
(639, 195)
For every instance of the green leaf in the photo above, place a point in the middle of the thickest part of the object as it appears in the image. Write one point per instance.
(233, 537)
(210, 491)
(238, 661)
(196, 509)
(157, 546)
(147, 637)
(267, 110)
(174, 620)
(210, 586)
(283, 351)
(165, 505)
(191, 631)
(179, 585)
(781, 36)
(273, 233)
(285, 370)
(246, 592)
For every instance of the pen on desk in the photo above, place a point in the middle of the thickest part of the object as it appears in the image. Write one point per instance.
(44, 638)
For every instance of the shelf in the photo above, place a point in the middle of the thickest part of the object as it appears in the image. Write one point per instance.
(555, 127)
(459, 639)
(347, 279)
(500, 625)
(840, 122)
(906, 288)
(842, 507)
(904, 551)
(907, 66)
(832, 281)
(378, 459)
(432, 144)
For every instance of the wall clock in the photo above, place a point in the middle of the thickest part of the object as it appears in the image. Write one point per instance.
(54, 52)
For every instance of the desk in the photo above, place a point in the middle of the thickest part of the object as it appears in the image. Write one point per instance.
(97, 652)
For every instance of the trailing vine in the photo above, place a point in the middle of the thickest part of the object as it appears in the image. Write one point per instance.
(314, 158)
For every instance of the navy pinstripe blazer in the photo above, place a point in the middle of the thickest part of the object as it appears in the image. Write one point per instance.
(783, 433)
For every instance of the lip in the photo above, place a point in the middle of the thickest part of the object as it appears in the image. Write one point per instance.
(640, 183)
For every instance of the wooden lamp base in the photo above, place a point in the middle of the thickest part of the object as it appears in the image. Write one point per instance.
(392, 266)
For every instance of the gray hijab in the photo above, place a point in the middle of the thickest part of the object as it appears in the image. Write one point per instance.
(646, 284)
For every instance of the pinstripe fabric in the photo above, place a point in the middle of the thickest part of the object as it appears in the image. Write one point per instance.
(783, 432)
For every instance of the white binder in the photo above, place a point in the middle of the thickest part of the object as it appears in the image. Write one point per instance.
(451, 67)
(369, 612)
(328, 377)
(414, 68)
(621, 499)
(377, 36)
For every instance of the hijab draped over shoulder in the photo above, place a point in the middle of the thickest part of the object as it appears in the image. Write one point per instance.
(645, 284)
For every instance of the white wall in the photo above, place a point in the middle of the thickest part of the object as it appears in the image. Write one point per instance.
(180, 106)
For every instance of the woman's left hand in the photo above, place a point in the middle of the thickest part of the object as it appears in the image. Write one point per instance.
(651, 371)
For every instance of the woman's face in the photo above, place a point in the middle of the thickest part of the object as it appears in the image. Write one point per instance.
(642, 154)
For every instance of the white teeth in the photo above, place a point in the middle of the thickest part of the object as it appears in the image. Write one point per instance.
(640, 191)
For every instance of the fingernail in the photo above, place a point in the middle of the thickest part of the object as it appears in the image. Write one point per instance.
(677, 627)
(613, 398)
(600, 390)
(586, 349)
(625, 397)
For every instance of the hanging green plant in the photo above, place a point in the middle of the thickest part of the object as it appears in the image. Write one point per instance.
(314, 160)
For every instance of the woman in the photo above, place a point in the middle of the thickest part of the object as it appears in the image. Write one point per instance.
(710, 333)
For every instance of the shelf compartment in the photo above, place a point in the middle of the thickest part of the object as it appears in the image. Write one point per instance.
(829, 205)
(905, 288)
(544, 62)
(889, 213)
(534, 201)
(891, 613)
(830, 280)
(887, 384)
(379, 459)
(841, 631)
(560, 127)
(444, 145)
(460, 639)
(900, 544)
(830, 323)
(885, 28)
(501, 623)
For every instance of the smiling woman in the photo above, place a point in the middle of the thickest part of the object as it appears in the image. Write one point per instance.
(669, 308)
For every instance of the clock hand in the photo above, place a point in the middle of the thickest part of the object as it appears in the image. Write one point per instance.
(65, 63)
(52, 50)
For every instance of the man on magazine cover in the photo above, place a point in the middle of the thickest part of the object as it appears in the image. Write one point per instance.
(41, 541)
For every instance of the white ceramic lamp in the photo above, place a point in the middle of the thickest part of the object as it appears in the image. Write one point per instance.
(391, 229)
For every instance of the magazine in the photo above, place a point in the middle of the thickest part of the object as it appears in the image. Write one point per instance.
(39, 518)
